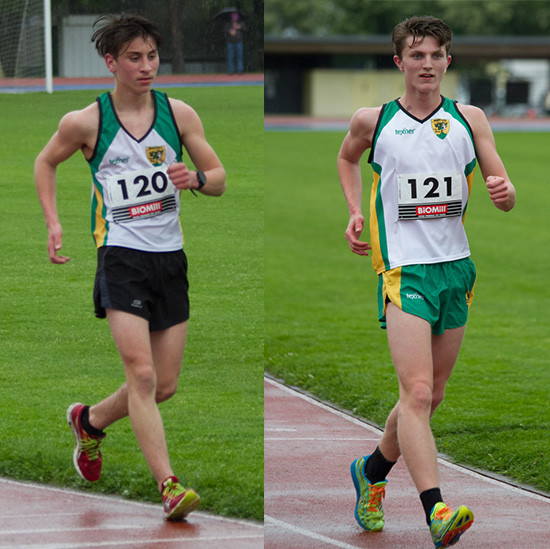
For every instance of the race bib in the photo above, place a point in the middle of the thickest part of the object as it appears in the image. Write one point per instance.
(425, 196)
(141, 194)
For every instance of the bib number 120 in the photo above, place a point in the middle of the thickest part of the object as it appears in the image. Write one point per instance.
(141, 194)
(158, 183)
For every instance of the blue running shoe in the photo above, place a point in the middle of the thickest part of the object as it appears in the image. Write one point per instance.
(368, 508)
(447, 525)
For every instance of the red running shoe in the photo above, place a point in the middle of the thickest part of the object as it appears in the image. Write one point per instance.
(178, 502)
(86, 455)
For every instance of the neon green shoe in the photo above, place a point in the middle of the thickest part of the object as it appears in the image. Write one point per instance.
(368, 507)
(447, 525)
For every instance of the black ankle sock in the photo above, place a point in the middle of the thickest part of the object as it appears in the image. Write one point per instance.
(377, 467)
(429, 498)
(87, 426)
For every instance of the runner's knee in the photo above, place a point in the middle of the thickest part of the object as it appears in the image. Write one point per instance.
(419, 396)
(166, 390)
(142, 379)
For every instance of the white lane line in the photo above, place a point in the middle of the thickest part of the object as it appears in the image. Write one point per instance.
(322, 439)
(121, 501)
(307, 533)
(134, 543)
(102, 528)
(482, 478)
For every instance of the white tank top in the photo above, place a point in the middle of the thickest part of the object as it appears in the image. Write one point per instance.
(134, 203)
(423, 173)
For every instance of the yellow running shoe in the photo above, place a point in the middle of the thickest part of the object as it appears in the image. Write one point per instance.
(368, 507)
(447, 525)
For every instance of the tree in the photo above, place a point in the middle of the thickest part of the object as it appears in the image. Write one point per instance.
(176, 29)
(366, 17)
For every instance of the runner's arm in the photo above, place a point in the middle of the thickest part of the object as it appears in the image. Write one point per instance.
(201, 153)
(65, 142)
(501, 190)
(356, 142)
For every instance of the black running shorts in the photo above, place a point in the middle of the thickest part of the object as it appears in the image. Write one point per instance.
(151, 285)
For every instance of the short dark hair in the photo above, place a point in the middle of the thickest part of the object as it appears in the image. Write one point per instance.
(419, 27)
(114, 31)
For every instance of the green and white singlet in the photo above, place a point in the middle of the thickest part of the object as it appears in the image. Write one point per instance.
(134, 203)
(423, 173)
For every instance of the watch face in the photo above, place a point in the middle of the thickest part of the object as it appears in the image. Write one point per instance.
(201, 178)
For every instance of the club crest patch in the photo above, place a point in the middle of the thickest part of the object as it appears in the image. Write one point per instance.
(440, 126)
(156, 155)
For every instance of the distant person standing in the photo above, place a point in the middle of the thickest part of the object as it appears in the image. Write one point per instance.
(234, 32)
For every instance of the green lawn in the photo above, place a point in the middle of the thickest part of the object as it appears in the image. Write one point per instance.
(321, 327)
(53, 350)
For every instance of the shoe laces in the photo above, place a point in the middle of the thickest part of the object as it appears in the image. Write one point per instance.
(443, 513)
(172, 489)
(376, 494)
(90, 446)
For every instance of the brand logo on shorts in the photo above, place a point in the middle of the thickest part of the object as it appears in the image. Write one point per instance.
(156, 155)
(414, 295)
(137, 304)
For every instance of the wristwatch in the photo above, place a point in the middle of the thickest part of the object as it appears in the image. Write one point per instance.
(201, 178)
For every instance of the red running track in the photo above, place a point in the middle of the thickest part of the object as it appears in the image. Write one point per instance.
(35, 516)
(310, 498)
(159, 80)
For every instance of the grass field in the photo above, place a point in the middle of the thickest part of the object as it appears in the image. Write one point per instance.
(321, 326)
(54, 352)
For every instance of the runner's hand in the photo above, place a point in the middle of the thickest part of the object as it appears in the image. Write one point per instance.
(498, 189)
(353, 234)
(54, 245)
(181, 177)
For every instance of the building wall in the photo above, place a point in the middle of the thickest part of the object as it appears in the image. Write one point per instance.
(339, 93)
(534, 71)
(78, 56)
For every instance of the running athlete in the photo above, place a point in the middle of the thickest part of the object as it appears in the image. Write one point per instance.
(132, 139)
(423, 152)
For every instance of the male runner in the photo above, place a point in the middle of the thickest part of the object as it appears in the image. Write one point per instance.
(132, 139)
(423, 152)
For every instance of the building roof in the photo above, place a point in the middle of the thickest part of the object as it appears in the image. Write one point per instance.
(472, 47)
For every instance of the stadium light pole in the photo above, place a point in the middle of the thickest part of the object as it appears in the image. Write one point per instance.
(48, 44)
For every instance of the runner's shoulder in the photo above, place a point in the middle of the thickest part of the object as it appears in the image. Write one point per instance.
(364, 122)
(80, 124)
(474, 115)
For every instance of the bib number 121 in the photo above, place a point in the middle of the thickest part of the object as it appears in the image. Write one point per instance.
(424, 196)
(433, 184)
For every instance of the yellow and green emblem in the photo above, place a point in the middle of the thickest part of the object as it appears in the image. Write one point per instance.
(156, 155)
(440, 126)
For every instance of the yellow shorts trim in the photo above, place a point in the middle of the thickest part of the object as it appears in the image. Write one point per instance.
(440, 293)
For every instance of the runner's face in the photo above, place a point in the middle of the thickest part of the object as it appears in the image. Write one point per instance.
(423, 63)
(136, 66)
